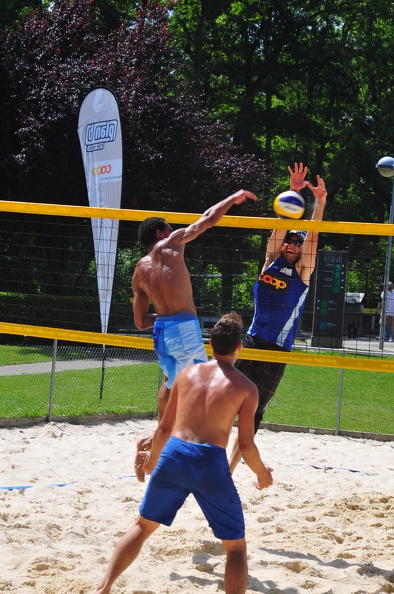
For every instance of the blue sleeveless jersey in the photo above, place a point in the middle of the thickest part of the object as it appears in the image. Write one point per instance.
(279, 298)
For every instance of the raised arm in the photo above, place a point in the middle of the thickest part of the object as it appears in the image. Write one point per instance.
(309, 249)
(275, 242)
(208, 219)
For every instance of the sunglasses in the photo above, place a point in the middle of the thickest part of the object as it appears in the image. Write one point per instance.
(296, 243)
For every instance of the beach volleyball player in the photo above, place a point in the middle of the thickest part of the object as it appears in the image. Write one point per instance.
(162, 279)
(279, 296)
(188, 456)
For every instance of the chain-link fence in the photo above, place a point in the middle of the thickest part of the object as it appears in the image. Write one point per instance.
(80, 382)
(51, 381)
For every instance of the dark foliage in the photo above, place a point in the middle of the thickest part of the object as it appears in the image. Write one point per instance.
(175, 157)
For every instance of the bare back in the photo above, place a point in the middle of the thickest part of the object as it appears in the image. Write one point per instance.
(208, 397)
(162, 278)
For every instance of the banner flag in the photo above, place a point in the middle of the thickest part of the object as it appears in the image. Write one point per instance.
(100, 136)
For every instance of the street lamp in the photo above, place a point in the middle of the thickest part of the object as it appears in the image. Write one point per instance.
(385, 166)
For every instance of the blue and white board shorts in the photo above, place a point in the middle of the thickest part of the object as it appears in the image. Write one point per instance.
(178, 343)
(200, 469)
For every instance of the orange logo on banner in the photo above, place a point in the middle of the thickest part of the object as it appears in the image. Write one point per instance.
(101, 170)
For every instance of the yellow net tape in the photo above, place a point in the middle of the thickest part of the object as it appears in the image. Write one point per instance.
(138, 342)
(187, 219)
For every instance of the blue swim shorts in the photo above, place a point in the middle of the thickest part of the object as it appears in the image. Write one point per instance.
(200, 469)
(178, 343)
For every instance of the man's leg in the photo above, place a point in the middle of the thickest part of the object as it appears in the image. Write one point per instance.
(236, 570)
(172, 360)
(387, 328)
(144, 444)
(267, 376)
(390, 328)
(162, 399)
(126, 551)
(166, 361)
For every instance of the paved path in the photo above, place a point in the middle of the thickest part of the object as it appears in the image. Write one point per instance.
(46, 366)
(363, 346)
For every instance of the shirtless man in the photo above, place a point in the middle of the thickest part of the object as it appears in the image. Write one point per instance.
(188, 455)
(162, 278)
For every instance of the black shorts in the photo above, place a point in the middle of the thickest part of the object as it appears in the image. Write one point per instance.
(265, 374)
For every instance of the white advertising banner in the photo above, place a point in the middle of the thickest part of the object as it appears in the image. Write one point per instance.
(100, 136)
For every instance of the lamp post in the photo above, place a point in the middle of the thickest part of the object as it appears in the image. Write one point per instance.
(385, 166)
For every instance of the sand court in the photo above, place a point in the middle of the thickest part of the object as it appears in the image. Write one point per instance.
(325, 526)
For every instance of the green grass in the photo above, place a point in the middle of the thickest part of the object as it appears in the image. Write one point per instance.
(127, 389)
(20, 355)
(307, 396)
(14, 355)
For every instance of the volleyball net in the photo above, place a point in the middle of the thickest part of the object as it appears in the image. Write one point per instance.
(49, 287)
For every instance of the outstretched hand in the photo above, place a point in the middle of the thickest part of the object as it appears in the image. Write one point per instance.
(242, 196)
(319, 191)
(297, 177)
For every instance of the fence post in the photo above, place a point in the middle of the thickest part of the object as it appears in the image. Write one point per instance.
(52, 379)
(339, 397)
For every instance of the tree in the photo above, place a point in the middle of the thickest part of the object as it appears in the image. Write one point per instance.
(176, 157)
(15, 12)
(307, 81)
